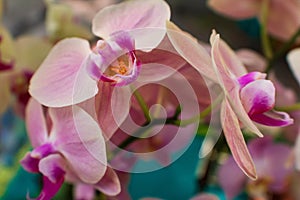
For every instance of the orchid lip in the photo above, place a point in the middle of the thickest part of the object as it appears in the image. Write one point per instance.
(114, 61)
(42, 151)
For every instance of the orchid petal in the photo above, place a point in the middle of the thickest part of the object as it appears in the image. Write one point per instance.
(109, 184)
(135, 14)
(35, 123)
(293, 59)
(231, 178)
(84, 192)
(283, 26)
(188, 47)
(29, 163)
(235, 102)
(271, 161)
(235, 9)
(226, 61)
(61, 80)
(53, 167)
(252, 60)
(273, 118)
(258, 96)
(236, 141)
(112, 106)
(79, 139)
(250, 77)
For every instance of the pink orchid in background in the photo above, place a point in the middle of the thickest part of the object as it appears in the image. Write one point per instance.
(283, 19)
(70, 148)
(271, 161)
(248, 98)
(293, 58)
(73, 73)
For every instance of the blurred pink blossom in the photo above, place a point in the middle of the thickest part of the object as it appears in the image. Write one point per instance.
(271, 161)
(283, 19)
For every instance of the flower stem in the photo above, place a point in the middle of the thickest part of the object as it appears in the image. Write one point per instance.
(265, 40)
(284, 49)
(290, 108)
(142, 104)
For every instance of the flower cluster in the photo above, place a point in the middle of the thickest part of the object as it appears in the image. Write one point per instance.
(137, 87)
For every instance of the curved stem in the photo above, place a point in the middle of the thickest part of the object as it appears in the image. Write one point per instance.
(142, 104)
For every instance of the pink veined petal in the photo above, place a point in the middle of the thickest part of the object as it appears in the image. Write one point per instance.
(110, 183)
(226, 60)
(258, 97)
(135, 14)
(293, 59)
(235, 102)
(236, 9)
(84, 191)
(61, 80)
(29, 163)
(231, 186)
(235, 140)
(273, 118)
(112, 106)
(283, 19)
(252, 60)
(188, 47)
(35, 123)
(78, 138)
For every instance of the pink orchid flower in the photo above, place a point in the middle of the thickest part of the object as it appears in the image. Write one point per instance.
(69, 147)
(73, 73)
(271, 163)
(248, 98)
(283, 18)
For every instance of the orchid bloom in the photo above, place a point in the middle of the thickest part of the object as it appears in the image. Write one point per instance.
(271, 161)
(248, 98)
(73, 73)
(283, 18)
(69, 147)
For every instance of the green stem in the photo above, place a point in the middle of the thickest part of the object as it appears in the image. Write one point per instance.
(171, 120)
(143, 105)
(265, 40)
(289, 108)
(284, 49)
(204, 113)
